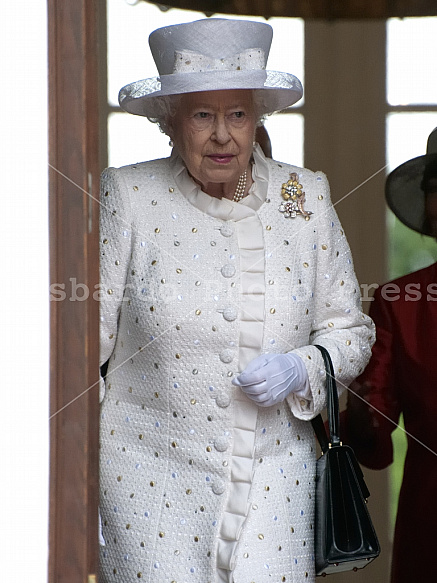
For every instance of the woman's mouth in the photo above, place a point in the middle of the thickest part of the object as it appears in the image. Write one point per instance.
(221, 158)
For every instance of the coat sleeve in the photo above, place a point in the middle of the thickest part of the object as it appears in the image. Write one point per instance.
(115, 252)
(338, 322)
(375, 450)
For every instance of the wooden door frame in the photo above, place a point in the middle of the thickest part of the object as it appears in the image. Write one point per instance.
(74, 171)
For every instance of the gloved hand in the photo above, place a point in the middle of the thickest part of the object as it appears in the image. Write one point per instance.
(269, 378)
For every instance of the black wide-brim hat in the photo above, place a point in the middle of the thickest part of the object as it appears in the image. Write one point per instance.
(404, 188)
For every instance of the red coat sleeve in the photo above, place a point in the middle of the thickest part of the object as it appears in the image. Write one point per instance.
(376, 452)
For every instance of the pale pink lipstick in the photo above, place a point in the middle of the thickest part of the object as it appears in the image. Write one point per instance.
(221, 158)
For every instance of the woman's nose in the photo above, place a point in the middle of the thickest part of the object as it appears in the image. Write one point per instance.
(220, 131)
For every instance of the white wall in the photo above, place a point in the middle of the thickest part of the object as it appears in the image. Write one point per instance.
(24, 320)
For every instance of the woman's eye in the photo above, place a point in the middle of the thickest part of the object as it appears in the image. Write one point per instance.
(202, 115)
(239, 114)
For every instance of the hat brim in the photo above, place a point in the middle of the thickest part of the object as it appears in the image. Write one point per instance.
(278, 90)
(405, 196)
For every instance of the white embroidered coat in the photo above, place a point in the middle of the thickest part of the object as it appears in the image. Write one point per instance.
(198, 484)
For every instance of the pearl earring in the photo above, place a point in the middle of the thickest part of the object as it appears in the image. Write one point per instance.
(171, 143)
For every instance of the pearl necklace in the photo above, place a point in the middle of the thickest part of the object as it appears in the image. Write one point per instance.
(241, 187)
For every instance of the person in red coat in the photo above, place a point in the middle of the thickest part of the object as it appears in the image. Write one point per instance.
(402, 378)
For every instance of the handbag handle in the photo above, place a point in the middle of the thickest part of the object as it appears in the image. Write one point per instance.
(334, 420)
(332, 406)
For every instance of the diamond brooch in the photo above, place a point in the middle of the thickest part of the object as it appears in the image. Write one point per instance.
(294, 199)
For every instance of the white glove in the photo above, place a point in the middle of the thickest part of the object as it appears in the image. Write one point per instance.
(269, 378)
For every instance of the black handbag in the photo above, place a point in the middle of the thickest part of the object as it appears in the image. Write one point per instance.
(345, 539)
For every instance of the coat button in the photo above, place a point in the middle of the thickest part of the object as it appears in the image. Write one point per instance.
(223, 400)
(218, 487)
(230, 314)
(226, 356)
(228, 270)
(227, 231)
(221, 443)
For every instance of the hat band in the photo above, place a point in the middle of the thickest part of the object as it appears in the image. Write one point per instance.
(192, 62)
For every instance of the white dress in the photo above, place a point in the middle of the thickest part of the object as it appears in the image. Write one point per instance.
(198, 484)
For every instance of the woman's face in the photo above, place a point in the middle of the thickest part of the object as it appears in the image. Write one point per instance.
(214, 132)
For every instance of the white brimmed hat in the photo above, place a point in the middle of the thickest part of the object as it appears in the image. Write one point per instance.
(209, 55)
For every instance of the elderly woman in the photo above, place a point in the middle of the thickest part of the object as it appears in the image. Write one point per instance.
(220, 270)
